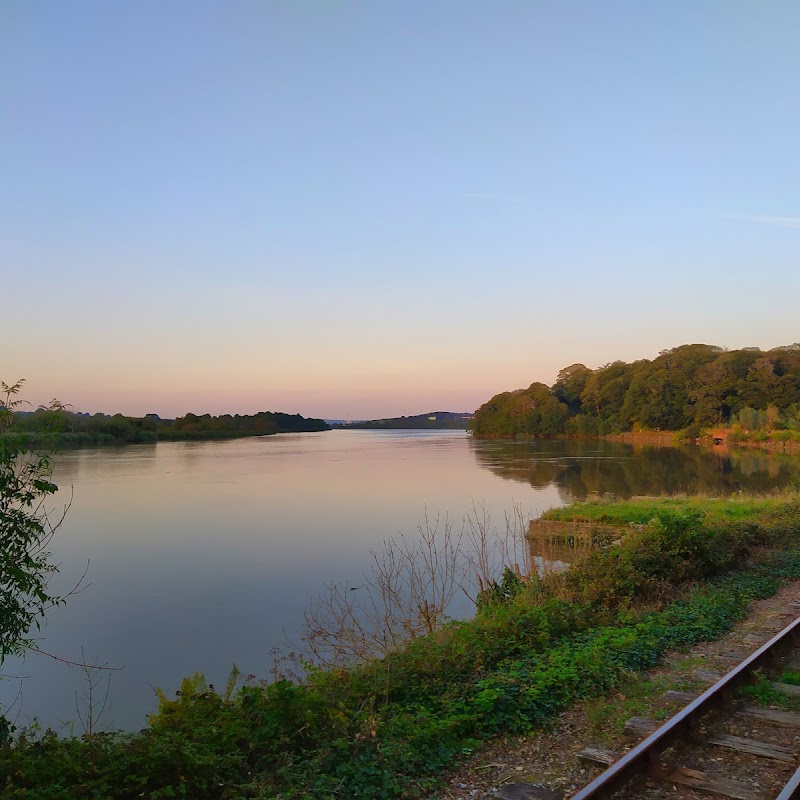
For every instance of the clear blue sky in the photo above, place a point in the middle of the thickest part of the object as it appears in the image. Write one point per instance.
(375, 208)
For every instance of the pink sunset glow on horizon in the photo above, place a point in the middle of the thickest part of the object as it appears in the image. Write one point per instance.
(293, 208)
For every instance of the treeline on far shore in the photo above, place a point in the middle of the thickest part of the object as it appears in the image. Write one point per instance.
(63, 428)
(692, 388)
(433, 420)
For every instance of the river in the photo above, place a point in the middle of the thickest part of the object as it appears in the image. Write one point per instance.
(205, 554)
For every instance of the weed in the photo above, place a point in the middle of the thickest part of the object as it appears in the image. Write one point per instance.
(790, 676)
(764, 693)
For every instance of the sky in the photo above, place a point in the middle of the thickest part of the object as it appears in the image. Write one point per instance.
(366, 209)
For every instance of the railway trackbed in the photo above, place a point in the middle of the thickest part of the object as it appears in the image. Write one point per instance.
(718, 743)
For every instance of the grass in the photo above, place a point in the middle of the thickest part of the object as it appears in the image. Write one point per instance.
(636, 695)
(763, 693)
(790, 676)
(640, 511)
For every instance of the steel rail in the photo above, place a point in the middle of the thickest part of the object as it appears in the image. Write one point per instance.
(792, 789)
(643, 755)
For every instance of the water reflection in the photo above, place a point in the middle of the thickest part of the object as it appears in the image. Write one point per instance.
(581, 468)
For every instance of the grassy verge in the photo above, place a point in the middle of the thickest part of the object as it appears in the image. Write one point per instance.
(684, 572)
(715, 510)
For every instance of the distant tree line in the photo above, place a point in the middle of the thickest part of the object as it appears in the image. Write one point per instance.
(432, 420)
(265, 423)
(64, 428)
(688, 388)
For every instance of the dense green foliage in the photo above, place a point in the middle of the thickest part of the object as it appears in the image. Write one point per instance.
(67, 429)
(389, 728)
(432, 420)
(264, 423)
(25, 532)
(687, 388)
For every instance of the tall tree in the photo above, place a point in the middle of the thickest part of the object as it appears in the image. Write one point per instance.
(570, 385)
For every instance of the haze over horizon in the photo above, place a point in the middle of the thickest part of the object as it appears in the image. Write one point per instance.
(366, 210)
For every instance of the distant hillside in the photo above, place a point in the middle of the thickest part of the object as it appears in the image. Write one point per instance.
(432, 420)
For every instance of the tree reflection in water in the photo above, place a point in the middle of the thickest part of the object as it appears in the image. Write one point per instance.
(579, 468)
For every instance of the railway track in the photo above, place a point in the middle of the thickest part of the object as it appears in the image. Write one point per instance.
(717, 744)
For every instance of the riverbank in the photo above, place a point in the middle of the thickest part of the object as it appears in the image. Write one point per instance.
(720, 440)
(716, 439)
(680, 571)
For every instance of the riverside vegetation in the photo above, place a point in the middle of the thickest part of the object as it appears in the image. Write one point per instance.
(58, 427)
(674, 572)
(688, 389)
(26, 529)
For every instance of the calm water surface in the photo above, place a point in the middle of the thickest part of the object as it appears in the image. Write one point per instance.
(206, 554)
